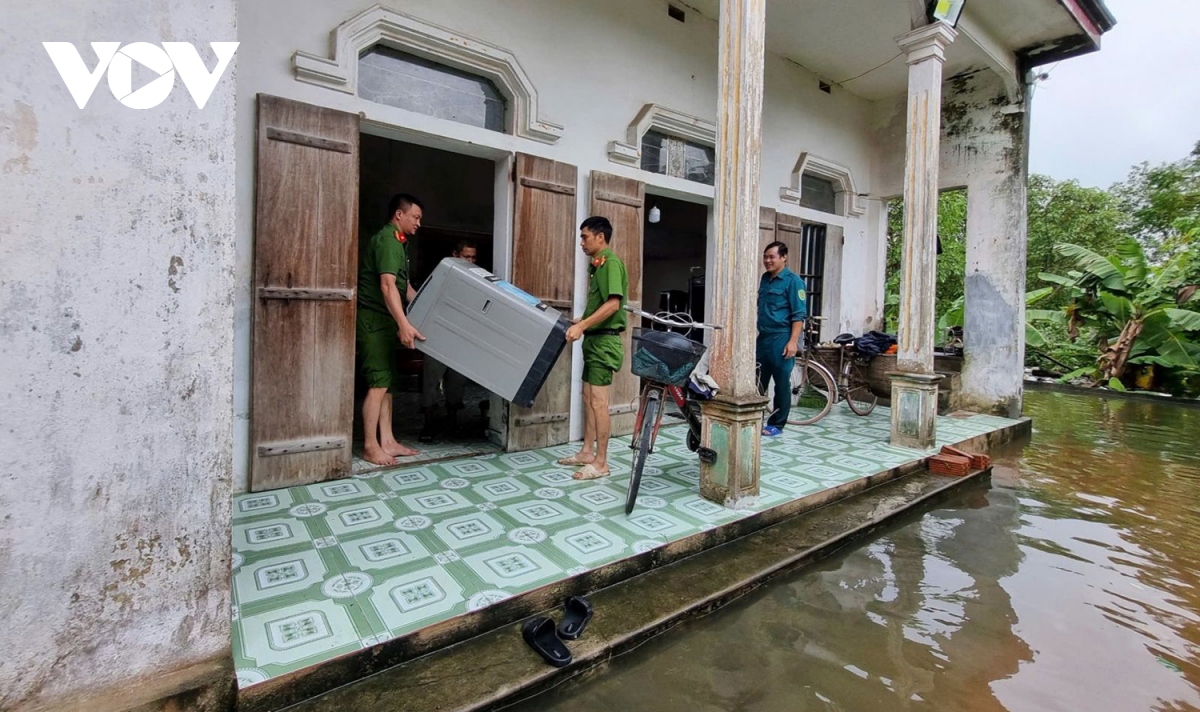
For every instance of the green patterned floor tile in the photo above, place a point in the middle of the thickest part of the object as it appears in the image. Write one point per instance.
(326, 569)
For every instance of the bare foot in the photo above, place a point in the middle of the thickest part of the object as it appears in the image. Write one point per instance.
(376, 455)
(398, 450)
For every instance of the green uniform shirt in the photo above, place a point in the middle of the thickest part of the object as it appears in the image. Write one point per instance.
(781, 301)
(384, 254)
(607, 280)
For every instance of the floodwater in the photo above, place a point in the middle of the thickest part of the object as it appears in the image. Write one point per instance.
(1068, 583)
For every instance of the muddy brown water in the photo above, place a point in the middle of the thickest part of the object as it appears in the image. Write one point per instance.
(1068, 583)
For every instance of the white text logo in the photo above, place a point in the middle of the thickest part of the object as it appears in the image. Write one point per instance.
(172, 57)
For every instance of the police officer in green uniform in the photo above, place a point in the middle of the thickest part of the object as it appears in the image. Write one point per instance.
(781, 312)
(383, 289)
(603, 352)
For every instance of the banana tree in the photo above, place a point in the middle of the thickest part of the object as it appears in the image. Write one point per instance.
(1134, 309)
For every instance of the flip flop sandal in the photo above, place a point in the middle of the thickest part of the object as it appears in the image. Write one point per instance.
(540, 635)
(577, 614)
(571, 461)
(589, 472)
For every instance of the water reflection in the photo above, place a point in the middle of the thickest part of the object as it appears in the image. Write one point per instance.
(1068, 584)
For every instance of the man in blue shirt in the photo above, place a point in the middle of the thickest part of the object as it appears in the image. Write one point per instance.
(781, 313)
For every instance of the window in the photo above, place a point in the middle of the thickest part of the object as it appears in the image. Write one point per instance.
(817, 193)
(678, 158)
(391, 77)
(811, 265)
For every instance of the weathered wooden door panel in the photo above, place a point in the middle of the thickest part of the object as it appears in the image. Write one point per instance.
(544, 244)
(787, 231)
(766, 228)
(305, 262)
(622, 200)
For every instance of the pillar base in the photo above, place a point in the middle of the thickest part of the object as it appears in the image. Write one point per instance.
(914, 409)
(733, 428)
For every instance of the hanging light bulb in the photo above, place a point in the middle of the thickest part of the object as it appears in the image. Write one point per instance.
(655, 214)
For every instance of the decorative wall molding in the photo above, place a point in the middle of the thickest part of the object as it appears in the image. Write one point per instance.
(848, 201)
(382, 26)
(659, 118)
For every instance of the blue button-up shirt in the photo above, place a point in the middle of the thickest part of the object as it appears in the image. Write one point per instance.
(781, 301)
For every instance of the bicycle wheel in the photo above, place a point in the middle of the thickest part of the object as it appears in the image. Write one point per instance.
(649, 418)
(858, 394)
(813, 394)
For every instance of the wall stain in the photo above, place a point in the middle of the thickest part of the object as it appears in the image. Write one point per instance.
(173, 271)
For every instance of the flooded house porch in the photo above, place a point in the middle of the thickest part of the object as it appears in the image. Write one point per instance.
(337, 580)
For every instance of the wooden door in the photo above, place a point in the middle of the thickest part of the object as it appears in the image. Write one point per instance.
(305, 262)
(621, 200)
(788, 231)
(545, 240)
(766, 229)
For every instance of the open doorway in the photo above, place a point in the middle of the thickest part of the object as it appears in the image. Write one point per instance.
(673, 258)
(458, 194)
(674, 246)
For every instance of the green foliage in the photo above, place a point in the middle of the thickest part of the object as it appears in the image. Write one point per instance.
(1065, 211)
(1162, 203)
(1129, 310)
(951, 264)
(1088, 279)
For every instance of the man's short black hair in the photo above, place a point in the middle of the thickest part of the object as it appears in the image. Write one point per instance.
(598, 226)
(778, 246)
(402, 201)
(463, 244)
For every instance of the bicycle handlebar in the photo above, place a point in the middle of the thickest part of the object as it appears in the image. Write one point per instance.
(676, 320)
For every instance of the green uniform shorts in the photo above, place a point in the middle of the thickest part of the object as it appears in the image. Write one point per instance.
(603, 355)
(377, 341)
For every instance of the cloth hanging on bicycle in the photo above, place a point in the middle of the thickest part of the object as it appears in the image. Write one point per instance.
(873, 343)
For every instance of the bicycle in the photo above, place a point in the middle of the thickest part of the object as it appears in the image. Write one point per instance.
(665, 361)
(815, 388)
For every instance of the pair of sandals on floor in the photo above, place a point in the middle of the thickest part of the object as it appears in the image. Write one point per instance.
(547, 639)
(586, 471)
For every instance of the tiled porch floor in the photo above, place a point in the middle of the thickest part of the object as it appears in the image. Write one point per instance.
(327, 569)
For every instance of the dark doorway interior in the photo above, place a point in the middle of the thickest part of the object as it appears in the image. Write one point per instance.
(458, 194)
(674, 251)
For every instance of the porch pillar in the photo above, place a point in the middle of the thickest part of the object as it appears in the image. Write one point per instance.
(993, 371)
(914, 383)
(733, 420)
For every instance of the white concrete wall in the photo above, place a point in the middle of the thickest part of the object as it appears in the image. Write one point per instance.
(116, 349)
(984, 148)
(606, 61)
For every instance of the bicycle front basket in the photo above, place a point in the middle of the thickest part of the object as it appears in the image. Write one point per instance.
(664, 356)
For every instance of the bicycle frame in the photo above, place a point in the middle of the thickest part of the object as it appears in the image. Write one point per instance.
(653, 389)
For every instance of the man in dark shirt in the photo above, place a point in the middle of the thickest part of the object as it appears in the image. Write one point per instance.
(781, 313)
(383, 288)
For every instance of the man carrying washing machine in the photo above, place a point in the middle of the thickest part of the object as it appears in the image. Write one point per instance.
(383, 289)
(603, 352)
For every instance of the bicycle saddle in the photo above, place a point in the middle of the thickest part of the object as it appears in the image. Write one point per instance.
(843, 339)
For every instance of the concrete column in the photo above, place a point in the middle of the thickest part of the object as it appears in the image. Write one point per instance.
(994, 316)
(732, 422)
(914, 385)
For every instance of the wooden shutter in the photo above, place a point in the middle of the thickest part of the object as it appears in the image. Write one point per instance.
(545, 240)
(788, 231)
(766, 229)
(305, 262)
(621, 200)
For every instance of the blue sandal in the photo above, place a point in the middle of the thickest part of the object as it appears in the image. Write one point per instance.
(771, 431)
